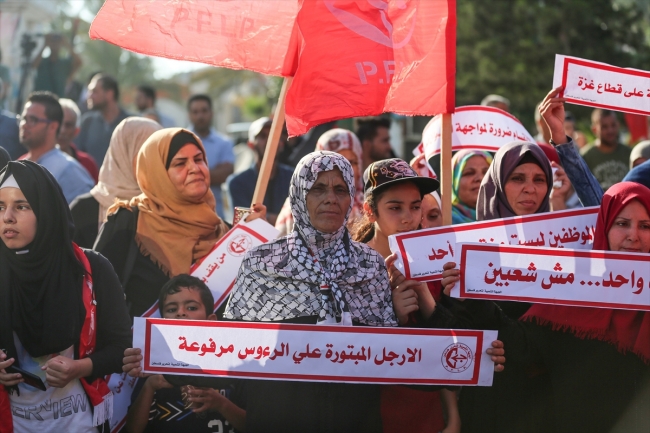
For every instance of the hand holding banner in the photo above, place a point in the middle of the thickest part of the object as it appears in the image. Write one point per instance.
(603, 279)
(596, 84)
(421, 254)
(315, 353)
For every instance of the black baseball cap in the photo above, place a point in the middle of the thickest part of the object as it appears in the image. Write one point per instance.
(387, 172)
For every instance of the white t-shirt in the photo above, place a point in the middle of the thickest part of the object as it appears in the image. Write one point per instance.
(54, 410)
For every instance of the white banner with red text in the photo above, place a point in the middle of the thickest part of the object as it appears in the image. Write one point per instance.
(218, 271)
(596, 84)
(421, 254)
(475, 127)
(315, 353)
(603, 279)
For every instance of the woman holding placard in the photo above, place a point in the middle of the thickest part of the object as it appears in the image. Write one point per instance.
(172, 224)
(63, 322)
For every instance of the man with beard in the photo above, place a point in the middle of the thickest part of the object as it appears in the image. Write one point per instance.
(607, 159)
(241, 186)
(98, 124)
(375, 139)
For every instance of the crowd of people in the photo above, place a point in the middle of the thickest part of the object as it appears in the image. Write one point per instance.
(85, 250)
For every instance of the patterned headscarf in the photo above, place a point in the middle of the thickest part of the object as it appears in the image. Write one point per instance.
(311, 273)
(461, 212)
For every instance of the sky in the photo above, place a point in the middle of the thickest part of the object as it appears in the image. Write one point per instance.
(163, 68)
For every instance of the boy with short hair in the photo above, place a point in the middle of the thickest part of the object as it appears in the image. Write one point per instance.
(156, 404)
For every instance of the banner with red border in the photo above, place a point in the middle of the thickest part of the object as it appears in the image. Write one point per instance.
(315, 353)
(600, 85)
(421, 254)
(475, 127)
(602, 279)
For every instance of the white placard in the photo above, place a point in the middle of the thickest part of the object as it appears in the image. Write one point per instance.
(596, 84)
(424, 168)
(315, 353)
(421, 254)
(475, 127)
(603, 279)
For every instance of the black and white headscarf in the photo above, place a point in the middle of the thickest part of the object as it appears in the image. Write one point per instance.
(310, 273)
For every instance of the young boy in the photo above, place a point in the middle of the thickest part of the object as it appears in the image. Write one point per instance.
(158, 406)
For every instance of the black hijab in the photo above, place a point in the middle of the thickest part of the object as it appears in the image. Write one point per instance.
(41, 287)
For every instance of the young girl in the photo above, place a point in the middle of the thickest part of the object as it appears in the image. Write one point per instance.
(393, 204)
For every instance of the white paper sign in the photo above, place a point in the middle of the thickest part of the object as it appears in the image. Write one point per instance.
(603, 279)
(421, 254)
(315, 353)
(475, 127)
(601, 85)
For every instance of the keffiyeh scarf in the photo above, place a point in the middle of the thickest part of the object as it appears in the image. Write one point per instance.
(310, 273)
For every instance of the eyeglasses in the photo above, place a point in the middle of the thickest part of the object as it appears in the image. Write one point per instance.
(31, 120)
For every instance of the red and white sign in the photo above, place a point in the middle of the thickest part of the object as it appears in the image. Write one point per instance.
(475, 127)
(315, 353)
(423, 167)
(604, 279)
(421, 254)
(218, 270)
(596, 84)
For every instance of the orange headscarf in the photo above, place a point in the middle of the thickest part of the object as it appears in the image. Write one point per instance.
(172, 230)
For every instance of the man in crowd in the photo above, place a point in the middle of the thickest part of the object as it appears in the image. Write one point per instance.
(607, 159)
(69, 131)
(496, 101)
(105, 114)
(241, 186)
(375, 139)
(39, 126)
(218, 148)
(54, 72)
(145, 101)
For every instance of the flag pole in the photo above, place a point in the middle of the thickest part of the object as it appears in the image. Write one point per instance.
(445, 170)
(271, 145)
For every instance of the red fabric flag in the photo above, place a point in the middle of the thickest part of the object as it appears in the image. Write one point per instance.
(366, 57)
(241, 34)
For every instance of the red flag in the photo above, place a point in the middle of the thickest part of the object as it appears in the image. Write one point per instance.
(366, 57)
(241, 34)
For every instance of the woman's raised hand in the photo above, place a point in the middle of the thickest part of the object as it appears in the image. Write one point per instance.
(259, 211)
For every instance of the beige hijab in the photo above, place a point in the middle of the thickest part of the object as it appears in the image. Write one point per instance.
(117, 176)
(172, 230)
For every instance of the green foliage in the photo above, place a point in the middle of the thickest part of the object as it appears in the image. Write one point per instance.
(508, 47)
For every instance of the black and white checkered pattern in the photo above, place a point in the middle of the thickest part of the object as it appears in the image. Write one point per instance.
(312, 273)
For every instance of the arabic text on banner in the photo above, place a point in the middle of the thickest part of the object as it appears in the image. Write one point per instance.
(422, 254)
(315, 353)
(601, 85)
(475, 127)
(603, 279)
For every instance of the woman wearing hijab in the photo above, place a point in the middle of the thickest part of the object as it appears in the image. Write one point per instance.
(62, 312)
(344, 143)
(469, 167)
(170, 225)
(640, 153)
(599, 354)
(281, 282)
(116, 179)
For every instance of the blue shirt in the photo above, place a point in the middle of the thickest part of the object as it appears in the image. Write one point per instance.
(71, 176)
(241, 187)
(218, 150)
(95, 134)
(9, 135)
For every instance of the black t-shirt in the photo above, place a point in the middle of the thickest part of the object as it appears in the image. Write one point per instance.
(169, 415)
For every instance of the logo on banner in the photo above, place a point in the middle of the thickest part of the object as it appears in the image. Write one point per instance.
(457, 358)
(369, 30)
(240, 244)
